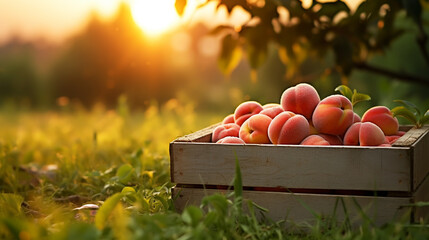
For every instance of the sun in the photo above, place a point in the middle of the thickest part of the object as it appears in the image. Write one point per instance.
(155, 17)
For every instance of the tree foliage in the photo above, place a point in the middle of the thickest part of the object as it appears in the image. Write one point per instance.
(322, 29)
(18, 74)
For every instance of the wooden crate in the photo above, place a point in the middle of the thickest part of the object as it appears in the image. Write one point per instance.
(289, 180)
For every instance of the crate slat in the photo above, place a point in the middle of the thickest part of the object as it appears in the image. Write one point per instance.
(421, 157)
(422, 195)
(411, 136)
(333, 167)
(318, 175)
(203, 135)
(295, 207)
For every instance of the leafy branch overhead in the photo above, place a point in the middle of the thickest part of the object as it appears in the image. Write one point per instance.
(180, 6)
(321, 29)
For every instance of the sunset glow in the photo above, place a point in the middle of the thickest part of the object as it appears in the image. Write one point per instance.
(155, 17)
(55, 20)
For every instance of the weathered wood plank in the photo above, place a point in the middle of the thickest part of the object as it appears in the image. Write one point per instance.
(411, 137)
(295, 207)
(422, 195)
(292, 166)
(421, 157)
(203, 135)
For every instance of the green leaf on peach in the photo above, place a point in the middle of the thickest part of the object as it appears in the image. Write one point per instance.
(411, 106)
(359, 97)
(345, 91)
(425, 118)
(404, 112)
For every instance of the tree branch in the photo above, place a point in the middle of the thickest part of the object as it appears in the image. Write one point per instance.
(389, 73)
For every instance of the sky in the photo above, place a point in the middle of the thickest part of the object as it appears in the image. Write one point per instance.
(49, 19)
(55, 20)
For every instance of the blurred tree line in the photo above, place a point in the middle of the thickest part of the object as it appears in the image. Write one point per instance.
(110, 59)
(18, 74)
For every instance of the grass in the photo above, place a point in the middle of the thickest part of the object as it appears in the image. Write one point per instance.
(54, 164)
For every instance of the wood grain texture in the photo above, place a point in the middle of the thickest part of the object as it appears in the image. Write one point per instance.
(296, 208)
(194, 160)
(292, 166)
(203, 135)
(421, 157)
(411, 137)
(422, 195)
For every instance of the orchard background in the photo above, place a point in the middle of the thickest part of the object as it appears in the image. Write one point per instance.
(86, 115)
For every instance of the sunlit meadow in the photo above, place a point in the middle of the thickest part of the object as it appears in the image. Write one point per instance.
(104, 174)
(92, 93)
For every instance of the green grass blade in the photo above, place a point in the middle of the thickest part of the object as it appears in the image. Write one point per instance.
(308, 208)
(362, 213)
(238, 184)
(192, 215)
(125, 173)
(259, 207)
(106, 209)
(347, 223)
(10, 204)
(163, 201)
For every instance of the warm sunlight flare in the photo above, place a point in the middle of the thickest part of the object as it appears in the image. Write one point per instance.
(155, 17)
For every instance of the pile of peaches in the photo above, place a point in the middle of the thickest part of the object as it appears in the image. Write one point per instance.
(302, 118)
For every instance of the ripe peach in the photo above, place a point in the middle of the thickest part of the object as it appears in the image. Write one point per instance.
(288, 128)
(255, 129)
(301, 99)
(273, 111)
(351, 137)
(401, 133)
(270, 105)
(313, 130)
(333, 115)
(332, 139)
(228, 119)
(385, 145)
(232, 140)
(245, 110)
(371, 135)
(383, 118)
(356, 118)
(314, 140)
(364, 134)
(224, 130)
(392, 138)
